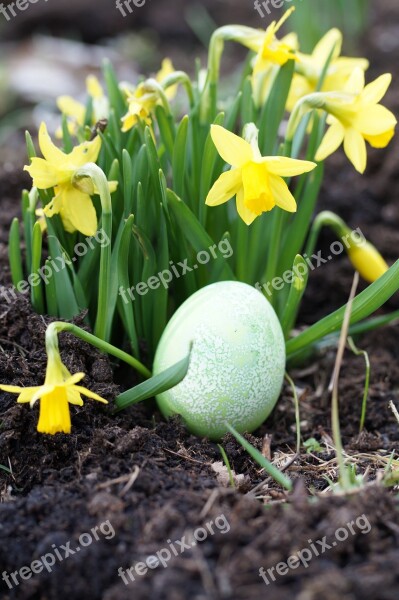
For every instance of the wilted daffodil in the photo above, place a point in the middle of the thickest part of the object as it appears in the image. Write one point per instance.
(355, 116)
(256, 181)
(310, 67)
(58, 391)
(143, 99)
(56, 170)
(76, 111)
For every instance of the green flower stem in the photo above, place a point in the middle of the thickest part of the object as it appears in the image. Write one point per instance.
(182, 78)
(274, 248)
(152, 85)
(300, 272)
(52, 344)
(99, 180)
(236, 33)
(302, 107)
(329, 219)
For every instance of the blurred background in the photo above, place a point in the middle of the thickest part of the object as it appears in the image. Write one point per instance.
(48, 48)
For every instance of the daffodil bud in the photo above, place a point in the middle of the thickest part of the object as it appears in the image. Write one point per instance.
(367, 261)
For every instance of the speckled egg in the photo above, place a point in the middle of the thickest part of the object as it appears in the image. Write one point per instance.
(237, 360)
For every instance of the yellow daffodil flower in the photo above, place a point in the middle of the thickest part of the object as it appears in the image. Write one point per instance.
(310, 67)
(271, 54)
(143, 99)
(263, 79)
(56, 170)
(355, 116)
(270, 50)
(367, 261)
(256, 181)
(58, 391)
(41, 219)
(141, 103)
(76, 111)
(167, 69)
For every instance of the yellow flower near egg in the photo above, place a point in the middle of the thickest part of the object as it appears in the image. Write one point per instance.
(59, 390)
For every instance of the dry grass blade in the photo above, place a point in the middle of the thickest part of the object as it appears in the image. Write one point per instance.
(344, 477)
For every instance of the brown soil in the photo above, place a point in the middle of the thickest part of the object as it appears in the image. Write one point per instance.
(154, 482)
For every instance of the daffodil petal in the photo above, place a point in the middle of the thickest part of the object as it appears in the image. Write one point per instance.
(112, 186)
(42, 391)
(380, 141)
(331, 141)
(44, 174)
(246, 215)
(287, 167)
(225, 187)
(84, 153)
(331, 40)
(375, 120)
(73, 379)
(74, 397)
(55, 206)
(355, 84)
(234, 150)
(374, 92)
(129, 121)
(89, 394)
(71, 108)
(27, 395)
(50, 152)
(281, 194)
(355, 149)
(79, 211)
(93, 87)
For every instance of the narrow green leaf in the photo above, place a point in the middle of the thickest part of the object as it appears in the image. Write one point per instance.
(124, 301)
(179, 157)
(192, 230)
(282, 479)
(117, 100)
(300, 275)
(127, 170)
(14, 253)
(363, 306)
(36, 285)
(66, 300)
(274, 108)
(155, 385)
